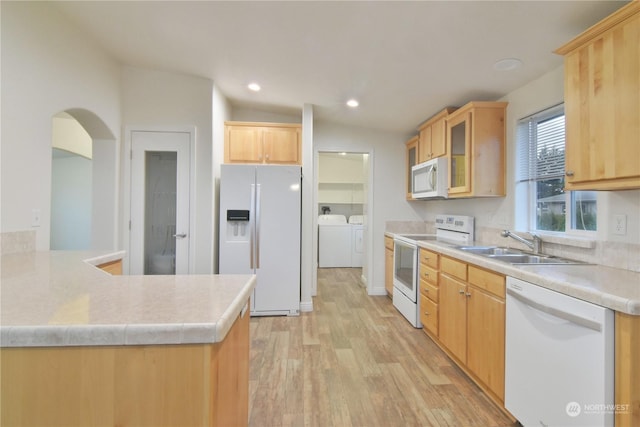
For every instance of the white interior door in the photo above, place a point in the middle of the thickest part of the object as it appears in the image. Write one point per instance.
(160, 194)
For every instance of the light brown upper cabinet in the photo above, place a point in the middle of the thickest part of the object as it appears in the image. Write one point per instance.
(476, 150)
(412, 160)
(274, 143)
(432, 142)
(602, 104)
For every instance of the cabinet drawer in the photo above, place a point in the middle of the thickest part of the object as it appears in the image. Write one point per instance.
(429, 290)
(429, 258)
(429, 315)
(453, 267)
(428, 274)
(487, 280)
(388, 242)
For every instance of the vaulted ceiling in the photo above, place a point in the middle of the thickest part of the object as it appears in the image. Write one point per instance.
(403, 61)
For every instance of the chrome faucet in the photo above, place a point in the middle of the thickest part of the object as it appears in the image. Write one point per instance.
(535, 244)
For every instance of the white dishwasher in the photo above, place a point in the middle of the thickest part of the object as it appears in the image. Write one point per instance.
(559, 358)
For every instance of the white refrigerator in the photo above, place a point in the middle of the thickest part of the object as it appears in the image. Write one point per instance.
(260, 209)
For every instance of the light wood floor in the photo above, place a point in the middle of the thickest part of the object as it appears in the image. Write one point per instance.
(355, 361)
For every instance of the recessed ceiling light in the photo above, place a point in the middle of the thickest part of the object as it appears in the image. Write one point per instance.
(507, 64)
(254, 87)
(353, 103)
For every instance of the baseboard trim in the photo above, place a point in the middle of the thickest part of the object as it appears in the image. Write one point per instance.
(306, 306)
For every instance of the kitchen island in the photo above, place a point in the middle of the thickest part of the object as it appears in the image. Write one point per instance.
(83, 347)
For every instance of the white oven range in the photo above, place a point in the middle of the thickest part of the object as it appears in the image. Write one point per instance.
(453, 229)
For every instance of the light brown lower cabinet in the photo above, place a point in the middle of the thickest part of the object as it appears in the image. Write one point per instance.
(168, 385)
(453, 316)
(471, 329)
(472, 322)
(627, 370)
(112, 267)
(429, 290)
(485, 338)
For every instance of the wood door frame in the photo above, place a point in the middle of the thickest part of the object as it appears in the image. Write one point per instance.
(126, 187)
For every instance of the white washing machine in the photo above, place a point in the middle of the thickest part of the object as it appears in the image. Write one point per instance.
(357, 240)
(334, 241)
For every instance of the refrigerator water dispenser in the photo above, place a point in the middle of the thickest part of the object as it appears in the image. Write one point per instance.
(237, 221)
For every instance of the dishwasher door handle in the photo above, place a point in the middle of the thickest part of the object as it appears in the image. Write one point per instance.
(561, 314)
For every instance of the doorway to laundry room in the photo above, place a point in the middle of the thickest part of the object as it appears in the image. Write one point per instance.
(342, 210)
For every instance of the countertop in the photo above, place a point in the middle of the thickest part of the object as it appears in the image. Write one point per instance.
(59, 298)
(605, 286)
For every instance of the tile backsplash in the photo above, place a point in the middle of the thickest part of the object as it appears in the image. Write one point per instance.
(17, 242)
(408, 227)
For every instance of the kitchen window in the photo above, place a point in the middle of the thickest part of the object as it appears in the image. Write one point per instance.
(540, 177)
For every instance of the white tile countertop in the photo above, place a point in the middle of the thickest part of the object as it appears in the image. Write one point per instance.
(609, 287)
(60, 298)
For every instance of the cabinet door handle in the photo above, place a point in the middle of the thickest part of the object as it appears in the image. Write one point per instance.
(461, 292)
(426, 313)
(468, 294)
(569, 173)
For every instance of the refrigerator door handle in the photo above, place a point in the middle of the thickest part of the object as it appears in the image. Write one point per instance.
(252, 209)
(258, 203)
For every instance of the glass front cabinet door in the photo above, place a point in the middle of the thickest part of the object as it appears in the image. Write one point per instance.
(459, 164)
(476, 146)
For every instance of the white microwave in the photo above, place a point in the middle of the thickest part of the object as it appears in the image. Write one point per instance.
(429, 179)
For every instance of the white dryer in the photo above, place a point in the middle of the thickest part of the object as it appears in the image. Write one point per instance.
(334, 241)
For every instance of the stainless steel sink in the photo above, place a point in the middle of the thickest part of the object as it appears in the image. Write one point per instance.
(515, 256)
(533, 259)
(490, 250)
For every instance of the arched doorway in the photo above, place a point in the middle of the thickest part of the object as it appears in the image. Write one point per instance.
(84, 181)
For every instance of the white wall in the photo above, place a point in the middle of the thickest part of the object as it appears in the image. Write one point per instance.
(544, 92)
(221, 112)
(71, 188)
(48, 66)
(537, 95)
(161, 100)
(309, 236)
(69, 135)
(243, 114)
(388, 165)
